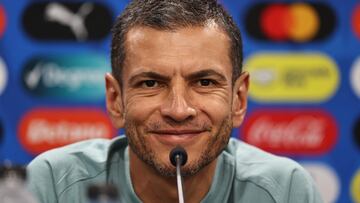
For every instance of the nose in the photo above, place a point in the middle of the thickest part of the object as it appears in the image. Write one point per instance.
(176, 106)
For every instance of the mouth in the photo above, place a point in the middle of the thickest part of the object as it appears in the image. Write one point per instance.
(176, 137)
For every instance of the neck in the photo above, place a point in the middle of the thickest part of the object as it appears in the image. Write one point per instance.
(150, 186)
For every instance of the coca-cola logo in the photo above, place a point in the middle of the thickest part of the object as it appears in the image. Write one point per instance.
(302, 132)
(44, 129)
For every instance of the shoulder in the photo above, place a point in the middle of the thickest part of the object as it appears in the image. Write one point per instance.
(247, 156)
(79, 154)
(280, 177)
(60, 168)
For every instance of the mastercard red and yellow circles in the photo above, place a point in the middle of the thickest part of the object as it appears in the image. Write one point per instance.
(304, 22)
(298, 22)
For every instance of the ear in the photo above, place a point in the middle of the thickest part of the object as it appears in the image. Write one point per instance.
(239, 104)
(114, 104)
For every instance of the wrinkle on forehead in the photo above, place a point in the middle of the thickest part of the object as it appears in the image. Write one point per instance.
(190, 47)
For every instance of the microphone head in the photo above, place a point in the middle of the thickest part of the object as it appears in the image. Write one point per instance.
(178, 151)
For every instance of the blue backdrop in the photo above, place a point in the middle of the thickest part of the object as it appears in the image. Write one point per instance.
(303, 57)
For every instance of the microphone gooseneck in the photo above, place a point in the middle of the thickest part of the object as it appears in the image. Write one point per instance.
(178, 158)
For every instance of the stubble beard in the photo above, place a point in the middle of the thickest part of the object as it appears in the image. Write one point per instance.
(214, 147)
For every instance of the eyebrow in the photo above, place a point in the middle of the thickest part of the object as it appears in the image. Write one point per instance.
(192, 76)
(205, 73)
(149, 74)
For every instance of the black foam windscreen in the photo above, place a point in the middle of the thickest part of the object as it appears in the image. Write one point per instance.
(178, 150)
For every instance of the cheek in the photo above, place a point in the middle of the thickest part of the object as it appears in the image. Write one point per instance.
(216, 108)
(140, 108)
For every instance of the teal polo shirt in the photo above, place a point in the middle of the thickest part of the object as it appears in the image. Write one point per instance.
(243, 174)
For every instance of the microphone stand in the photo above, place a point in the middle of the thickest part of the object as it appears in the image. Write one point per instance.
(179, 179)
(178, 158)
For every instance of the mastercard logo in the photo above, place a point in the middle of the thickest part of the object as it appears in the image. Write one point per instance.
(291, 132)
(355, 21)
(294, 22)
(292, 77)
(44, 129)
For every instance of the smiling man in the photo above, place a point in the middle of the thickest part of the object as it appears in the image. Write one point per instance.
(176, 80)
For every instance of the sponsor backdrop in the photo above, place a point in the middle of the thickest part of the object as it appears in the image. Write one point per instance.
(303, 57)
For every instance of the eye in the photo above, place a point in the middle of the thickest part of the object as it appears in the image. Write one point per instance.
(205, 82)
(150, 83)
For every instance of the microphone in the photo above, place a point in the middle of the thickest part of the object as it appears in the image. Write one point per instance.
(178, 158)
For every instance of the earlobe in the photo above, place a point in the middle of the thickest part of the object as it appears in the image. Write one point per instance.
(240, 93)
(114, 104)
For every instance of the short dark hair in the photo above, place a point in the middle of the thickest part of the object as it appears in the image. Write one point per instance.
(170, 15)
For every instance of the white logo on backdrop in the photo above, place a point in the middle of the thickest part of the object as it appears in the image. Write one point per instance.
(53, 75)
(326, 180)
(3, 76)
(263, 76)
(75, 21)
(355, 77)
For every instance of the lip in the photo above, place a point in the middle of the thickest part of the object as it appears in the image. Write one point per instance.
(176, 137)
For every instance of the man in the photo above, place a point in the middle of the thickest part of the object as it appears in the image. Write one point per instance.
(176, 80)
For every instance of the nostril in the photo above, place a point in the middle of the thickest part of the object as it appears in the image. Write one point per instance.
(178, 113)
(173, 121)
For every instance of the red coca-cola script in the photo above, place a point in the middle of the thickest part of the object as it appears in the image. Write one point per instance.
(293, 132)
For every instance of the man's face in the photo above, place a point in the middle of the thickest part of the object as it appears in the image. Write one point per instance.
(177, 90)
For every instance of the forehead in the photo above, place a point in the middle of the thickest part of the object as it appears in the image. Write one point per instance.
(211, 35)
(185, 47)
